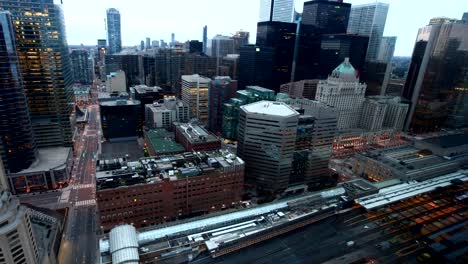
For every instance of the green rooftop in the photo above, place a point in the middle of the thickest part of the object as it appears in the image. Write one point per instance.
(162, 141)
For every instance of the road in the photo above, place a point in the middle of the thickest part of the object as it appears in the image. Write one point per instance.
(79, 244)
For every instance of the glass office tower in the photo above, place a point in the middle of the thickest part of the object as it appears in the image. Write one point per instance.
(330, 17)
(17, 145)
(369, 20)
(45, 67)
(114, 35)
(437, 82)
(277, 10)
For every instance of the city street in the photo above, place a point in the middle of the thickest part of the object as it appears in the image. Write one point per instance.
(79, 243)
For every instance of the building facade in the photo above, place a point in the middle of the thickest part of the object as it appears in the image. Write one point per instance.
(222, 89)
(437, 78)
(387, 48)
(163, 115)
(116, 82)
(17, 143)
(266, 141)
(195, 96)
(168, 188)
(114, 34)
(41, 42)
(17, 242)
(277, 10)
(330, 17)
(82, 66)
(120, 119)
(369, 20)
(221, 46)
(343, 91)
(301, 89)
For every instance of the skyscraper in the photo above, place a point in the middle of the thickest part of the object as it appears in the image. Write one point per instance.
(222, 46)
(195, 96)
(267, 133)
(114, 35)
(277, 10)
(148, 43)
(82, 66)
(330, 17)
(241, 38)
(369, 20)
(465, 17)
(17, 144)
(387, 48)
(205, 38)
(45, 68)
(437, 77)
(172, 40)
(256, 66)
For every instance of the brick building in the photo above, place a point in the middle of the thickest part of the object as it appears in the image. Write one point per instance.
(157, 190)
(196, 138)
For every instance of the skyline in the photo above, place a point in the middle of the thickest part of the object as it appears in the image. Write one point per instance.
(139, 22)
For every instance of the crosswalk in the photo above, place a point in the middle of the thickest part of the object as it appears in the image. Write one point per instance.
(85, 203)
(83, 186)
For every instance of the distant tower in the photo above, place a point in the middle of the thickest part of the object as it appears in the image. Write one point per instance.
(277, 10)
(142, 45)
(148, 43)
(114, 36)
(172, 40)
(205, 38)
(369, 20)
(195, 96)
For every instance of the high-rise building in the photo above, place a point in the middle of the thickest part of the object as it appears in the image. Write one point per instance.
(148, 43)
(82, 66)
(17, 144)
(316, 130)
(172, 40)
(343, 91)
(155, 44)
(256, 66)
(205, 39)
(163, 115)
(277, 10)
(267, 134)
(142, 45)
(281, 37)
(114, 35)
(195, 46)
(437, 77)
(229, 66)
(387, 48)
(330, 17)
(120, 118)
(195, 96)
(221, 46)
(222, 89)
(17, 241)
(241, 38)
(116, 82)
(369, 20)
(45, 67)
(130, 64)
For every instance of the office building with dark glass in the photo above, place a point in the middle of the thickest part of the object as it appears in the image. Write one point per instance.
(17, 145)
(437, 83)
(330, 17)
(45, 67)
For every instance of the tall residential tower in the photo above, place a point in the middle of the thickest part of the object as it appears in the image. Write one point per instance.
(114, 35)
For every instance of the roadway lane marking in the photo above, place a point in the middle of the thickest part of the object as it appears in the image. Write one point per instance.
(84, 186)
(85, 203)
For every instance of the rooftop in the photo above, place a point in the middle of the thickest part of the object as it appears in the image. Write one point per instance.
(195, 133)
(120, 102)
(114, 150)
(142, 89)
(270, 108)
(163, 142)
(196, 78)
(345, 69)
(448, 141)
(49, 159)
(111, 174)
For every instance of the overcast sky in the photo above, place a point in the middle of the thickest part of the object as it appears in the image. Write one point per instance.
(157, 19)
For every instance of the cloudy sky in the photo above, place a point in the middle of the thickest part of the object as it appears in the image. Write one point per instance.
(157, 19)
